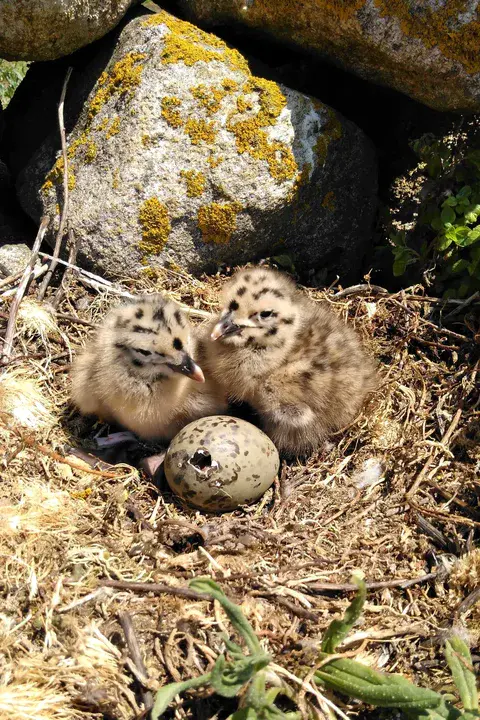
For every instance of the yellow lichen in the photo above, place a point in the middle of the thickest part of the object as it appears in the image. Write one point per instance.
(250, 135)
(188, 44)
(114, 128)
(155, 224)
(209, 96)
(200, 130)
(434, 26)
(196, 182)
(328, 201)
(170, 112)
(90, 151)
(218, 221)
(229, 85)
(146, 140)
(214, 161)
(121, 80)
(116, 179)
(331, 130)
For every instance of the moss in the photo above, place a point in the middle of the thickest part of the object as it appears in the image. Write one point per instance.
(331, 130)
(114, 128)
(218, 221)
(328, 201)
(121, 81)
(188, 44)
(209, 96)
(170, 112)
(155, 224)
(200, 130)
(196, 182)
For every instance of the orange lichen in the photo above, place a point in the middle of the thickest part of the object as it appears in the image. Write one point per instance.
(209, 96)
(200, 130)
(114, 128)
(155, 224)
(215, 161)
(170, 112)
(218, 221)
(188, 44)
(328, 201)
(121, 80)
(196, 182)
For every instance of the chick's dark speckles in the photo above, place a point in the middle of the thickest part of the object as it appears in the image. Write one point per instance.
(159, 315)
(177, 344)
(233, 306)
(142, 329)
(241, 291)
(139, 314)
(178, 317)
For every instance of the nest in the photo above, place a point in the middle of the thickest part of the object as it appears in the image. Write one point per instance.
(396, 496)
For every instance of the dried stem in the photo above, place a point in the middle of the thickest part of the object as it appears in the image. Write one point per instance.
(22, 288)
(63, 216)
(136, 656)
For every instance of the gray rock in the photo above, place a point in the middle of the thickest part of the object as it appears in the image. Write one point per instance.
(13, 259)
(15, 226)
(181, 156)
(428, 49)
(48, 29)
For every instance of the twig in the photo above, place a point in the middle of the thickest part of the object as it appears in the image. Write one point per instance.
(361, 290)
(102, 285)
(36, 273)
(435, 534)
(463, 305)
(347, 587)
(155, 588)
(74, 243)
(136, 656)
(75, 319)
(468, 602)
(295, 609)
(26, 277)
(11, 279)
(63, 216)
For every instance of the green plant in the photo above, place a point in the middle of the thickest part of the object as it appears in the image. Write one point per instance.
(449, 222)
(349, 677)
(11, 75)
(394, 691)
(229, 677)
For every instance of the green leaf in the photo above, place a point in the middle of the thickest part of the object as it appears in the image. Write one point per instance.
(167, 693)
(448, 215)
(451, 201)
(244, 714)
(459, 266)
(437, 223)
(459, 661)
(339, 629)
(465, 192)
(444, 241)
(237, 618)
(473, 236)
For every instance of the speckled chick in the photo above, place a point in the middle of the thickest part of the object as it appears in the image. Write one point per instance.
(138, 370)
(293, 360)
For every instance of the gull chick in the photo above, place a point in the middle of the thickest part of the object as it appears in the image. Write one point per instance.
(291, 359)
(138, 370)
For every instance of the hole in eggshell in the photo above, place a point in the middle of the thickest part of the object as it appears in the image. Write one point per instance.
(202, 462)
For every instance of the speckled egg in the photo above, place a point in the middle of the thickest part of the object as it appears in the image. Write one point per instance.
(218, 463)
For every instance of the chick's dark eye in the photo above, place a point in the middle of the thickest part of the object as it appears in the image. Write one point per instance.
(142, 352)
(265, 314)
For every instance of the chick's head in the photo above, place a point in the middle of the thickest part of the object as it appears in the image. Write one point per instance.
(152, 337)
(258, 309)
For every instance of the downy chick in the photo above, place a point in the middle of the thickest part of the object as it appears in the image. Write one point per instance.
(293, 360)
(138, 370)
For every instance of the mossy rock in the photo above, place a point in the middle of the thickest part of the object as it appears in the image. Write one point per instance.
(424, 48)
(49, 29)
(180, 155)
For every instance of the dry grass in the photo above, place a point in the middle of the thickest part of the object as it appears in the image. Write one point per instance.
(412, 458)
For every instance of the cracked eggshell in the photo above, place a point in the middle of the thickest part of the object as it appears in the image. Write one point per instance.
(220, 462)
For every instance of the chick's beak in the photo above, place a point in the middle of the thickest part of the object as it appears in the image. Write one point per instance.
(189, 368)
(224, 328)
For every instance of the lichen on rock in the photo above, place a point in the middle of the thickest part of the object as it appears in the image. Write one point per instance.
(218, 221)
(155, 223)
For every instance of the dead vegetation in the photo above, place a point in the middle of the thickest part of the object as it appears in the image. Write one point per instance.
(81, 548)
